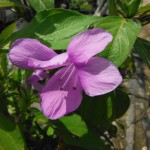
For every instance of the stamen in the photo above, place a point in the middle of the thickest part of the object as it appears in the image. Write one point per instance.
(65, 72)
(74, 88)
(75, 84)
(61, 88)
(68, 78)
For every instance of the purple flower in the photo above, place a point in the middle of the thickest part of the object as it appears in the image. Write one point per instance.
(81, 70)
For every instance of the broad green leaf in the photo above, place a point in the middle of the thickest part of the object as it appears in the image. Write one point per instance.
(10, 135)
(55, 27)
(121, 103)
(90, 141)
(74, 124)
(124, 34)
(7, 32)
(75, 132)
(102, 110)
(142, 47)
(39, 5)
(96, 110)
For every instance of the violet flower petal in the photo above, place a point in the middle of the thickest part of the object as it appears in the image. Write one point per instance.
(87, 44)
(55, 102)
(37, 76)
(55, 62)
(25, 48)
(99, 76)
(37, 86)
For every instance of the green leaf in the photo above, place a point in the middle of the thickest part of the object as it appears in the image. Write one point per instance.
(121, 103)
(56, 27)
(8, 3)
(3, 65)
(7, 32)
(74, 124)
(10, 136)
(75, 132)
(142, 47)
(90, 141)
(112, 8)
(133, 7)
(39, 5)
(102, 110)
(50, 131)
(144, 9)
(95, 110)
(123, 38)
(128, 8)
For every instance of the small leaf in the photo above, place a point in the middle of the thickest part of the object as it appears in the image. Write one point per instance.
(39, 117)
(123, 38)
(10, 136)
(8, 3)
(74, 124)
(50, 131)
(142, 47)
(7, 32)
(112, 8)
(129, 8)
(3, 65)
(39, 5)
(133, 7)
(144, 9)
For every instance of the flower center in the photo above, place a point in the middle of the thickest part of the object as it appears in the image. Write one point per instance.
(67, 76)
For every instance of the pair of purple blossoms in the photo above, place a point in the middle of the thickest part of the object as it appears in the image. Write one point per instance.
(81, 70)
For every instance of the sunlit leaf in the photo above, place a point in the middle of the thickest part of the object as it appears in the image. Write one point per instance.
(74, 124)
(56, 27)
(124, 35)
